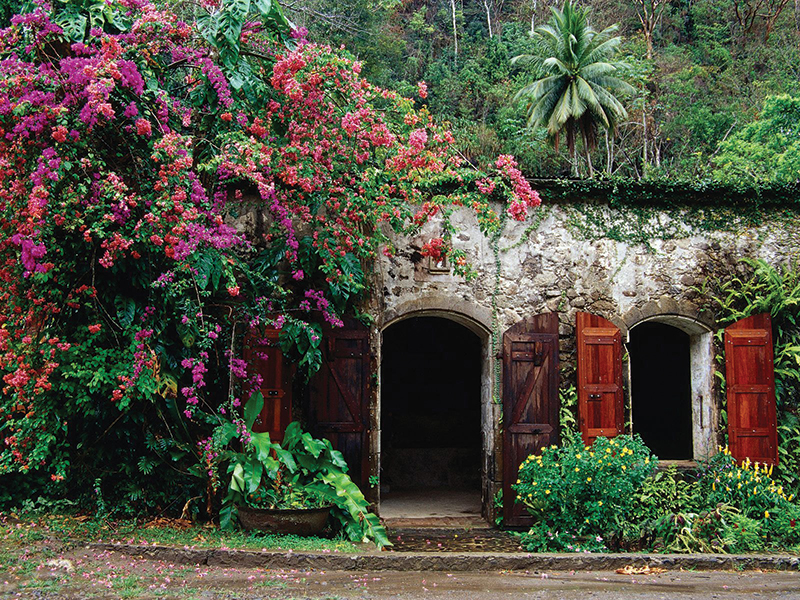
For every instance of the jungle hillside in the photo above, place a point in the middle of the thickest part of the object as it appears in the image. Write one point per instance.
(715, 83)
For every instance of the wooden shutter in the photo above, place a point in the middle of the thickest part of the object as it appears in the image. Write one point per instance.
(530, 401)
(339, 396)
(750, 384)
(600, 397)
(264, 357)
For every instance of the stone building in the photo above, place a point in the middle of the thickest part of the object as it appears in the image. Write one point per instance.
(457, 381)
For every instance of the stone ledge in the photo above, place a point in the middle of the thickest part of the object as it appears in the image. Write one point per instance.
(374, 560)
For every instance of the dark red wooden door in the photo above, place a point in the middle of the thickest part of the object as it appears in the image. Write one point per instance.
(600, 396)
(530, 401)
(750, 383)
(339, 396)
(264, 357)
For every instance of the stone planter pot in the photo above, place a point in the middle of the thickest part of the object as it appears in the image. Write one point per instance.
(303, 521)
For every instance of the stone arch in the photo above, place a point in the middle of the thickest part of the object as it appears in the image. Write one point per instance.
(472, 316)
(682, 314)
(686, 317)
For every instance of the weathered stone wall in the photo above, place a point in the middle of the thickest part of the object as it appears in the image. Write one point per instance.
(554, 268)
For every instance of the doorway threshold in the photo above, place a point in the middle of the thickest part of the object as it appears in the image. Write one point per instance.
(432, 508)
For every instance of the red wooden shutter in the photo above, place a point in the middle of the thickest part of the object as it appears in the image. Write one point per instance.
(600, 398)
(752, 420)
(530, 401)
(339, 396)
(263, 356)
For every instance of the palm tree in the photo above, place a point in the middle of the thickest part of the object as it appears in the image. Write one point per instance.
(574, 92)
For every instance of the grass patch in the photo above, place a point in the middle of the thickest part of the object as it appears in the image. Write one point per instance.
(68, 528)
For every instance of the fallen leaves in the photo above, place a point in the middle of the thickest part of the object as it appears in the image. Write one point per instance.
(645, 570)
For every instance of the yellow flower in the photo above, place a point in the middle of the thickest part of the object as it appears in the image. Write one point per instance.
(647, 460)
(600, 503)
(578, 456)
(608, 450)
(766, 514)
(577, 470)
(588, 480)
(623, 467)
(547, 492)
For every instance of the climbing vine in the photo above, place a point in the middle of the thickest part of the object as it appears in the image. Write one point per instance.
(637, 213)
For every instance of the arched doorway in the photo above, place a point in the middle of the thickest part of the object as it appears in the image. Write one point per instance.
(431, 441)
(661, 389)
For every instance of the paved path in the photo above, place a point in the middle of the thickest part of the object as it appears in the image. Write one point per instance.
(549, 586)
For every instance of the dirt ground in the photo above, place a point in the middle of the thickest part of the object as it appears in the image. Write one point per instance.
(86, 573)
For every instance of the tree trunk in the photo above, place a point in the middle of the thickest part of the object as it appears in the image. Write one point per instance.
(574, 154)
(797, 16)
(589, 161)
(533, 15)
(644, 138)
(488, 17)
(455, 33)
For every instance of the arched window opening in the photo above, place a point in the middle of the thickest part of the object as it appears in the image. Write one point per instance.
(661, 389)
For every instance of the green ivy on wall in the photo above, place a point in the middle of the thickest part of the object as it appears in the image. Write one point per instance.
(637, 212)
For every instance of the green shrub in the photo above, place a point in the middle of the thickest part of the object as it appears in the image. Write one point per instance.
(749, 487)
(581, 491)
(751, 490)
(666, 492)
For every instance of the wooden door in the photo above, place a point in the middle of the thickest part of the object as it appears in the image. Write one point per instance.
(601, 404)
(750, 384)
(264, 358)
(339, 396)
(530, 401)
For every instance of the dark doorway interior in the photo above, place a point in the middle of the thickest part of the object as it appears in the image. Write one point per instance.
(661, 389)
(430, 406)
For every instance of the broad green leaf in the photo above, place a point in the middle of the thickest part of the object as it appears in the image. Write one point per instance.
(253, 470)
(252, 409)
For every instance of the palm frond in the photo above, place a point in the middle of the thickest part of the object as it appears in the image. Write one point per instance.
(602, 50)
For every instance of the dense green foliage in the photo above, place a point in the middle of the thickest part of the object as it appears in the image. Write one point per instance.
(712, 66)
(578, 494)
(609, 496)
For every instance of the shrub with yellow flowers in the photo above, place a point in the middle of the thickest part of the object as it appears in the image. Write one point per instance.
(578, 494)
(750, 488)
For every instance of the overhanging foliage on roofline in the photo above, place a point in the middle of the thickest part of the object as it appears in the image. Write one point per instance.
(670, 194)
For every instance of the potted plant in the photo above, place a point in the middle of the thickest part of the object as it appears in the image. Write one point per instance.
(294, 485)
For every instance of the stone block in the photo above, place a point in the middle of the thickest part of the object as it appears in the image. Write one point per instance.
(578, 302)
